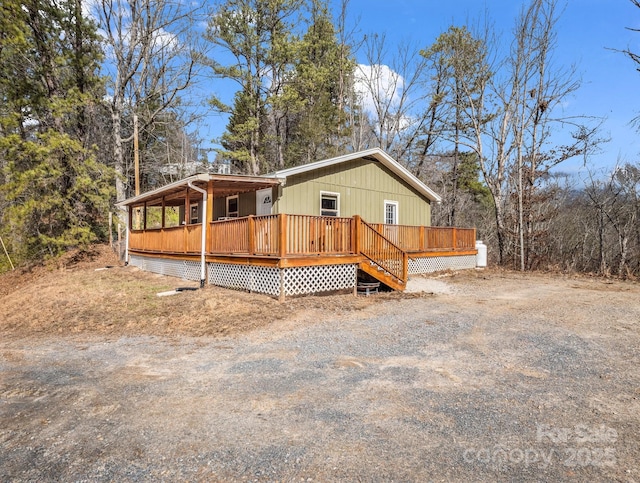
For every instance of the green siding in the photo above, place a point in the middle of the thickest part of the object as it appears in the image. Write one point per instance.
(219, 208)
(363, 186)
(246, 205)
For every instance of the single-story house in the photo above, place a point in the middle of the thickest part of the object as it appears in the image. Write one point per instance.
(307, 229)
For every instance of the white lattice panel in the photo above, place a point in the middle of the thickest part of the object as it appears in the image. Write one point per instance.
(265, 280)
(136, 261)
(183, 269)
(192, 270)
(436, 264)
(322, 278)
(245, 277)
(230, 276)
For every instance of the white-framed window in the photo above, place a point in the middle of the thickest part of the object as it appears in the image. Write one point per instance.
(390, 212)
(329, 203)
(233, 206)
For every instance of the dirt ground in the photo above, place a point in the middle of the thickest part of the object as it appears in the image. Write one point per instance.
(473, 376)
(81, 295)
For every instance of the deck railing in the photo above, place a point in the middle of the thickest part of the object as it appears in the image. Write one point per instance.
(177, 239)
(229, 236)
(318, 235)
(429, 238)
(281, 235)
(292, 235)
(251, 235)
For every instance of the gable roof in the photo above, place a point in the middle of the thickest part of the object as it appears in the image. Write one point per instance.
(375, 154)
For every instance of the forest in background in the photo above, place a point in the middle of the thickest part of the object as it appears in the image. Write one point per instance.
(474, 116)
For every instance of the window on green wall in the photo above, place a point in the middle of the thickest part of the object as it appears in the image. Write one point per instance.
(329, 204)
(390, 212)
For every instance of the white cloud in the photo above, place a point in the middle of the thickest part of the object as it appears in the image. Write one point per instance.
(380, 90)
(89, 9)
(164, 41)
(378, 85)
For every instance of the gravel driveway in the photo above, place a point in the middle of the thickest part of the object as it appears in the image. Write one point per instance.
(504, 378)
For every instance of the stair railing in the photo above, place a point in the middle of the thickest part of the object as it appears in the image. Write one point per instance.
(381, 251)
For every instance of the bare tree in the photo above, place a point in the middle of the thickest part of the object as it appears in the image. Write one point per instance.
(511, 121)
(392, 92)
(152, 58)
(615, 202)
(633, 55)
(458, 64)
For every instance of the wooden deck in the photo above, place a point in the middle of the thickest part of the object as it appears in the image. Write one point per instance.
(302, 240)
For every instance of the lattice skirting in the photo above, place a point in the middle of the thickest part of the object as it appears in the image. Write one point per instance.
(245, 277)
(295, 280)
(184, 269)
(436, 264)
(320, 278)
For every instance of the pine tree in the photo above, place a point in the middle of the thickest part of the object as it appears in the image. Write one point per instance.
(55, 193)
(258, 36)
(294, 83)
(319, 123)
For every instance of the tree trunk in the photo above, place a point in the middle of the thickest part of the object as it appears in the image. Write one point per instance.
(118, 155)
(624, 245)
(500, 228)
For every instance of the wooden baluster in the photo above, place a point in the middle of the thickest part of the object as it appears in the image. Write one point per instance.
(282, 235)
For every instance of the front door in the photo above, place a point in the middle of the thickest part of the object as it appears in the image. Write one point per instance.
(264, 201)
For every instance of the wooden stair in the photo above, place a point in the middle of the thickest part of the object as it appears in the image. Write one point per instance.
(383, 259)
(383, 276)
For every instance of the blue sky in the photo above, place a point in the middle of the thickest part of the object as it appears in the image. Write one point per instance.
(586, 30)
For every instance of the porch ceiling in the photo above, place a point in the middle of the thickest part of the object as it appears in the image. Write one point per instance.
(233, 185)
(223, 185)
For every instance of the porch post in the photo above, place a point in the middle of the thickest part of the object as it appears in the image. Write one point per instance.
(187, 220)
(355, 242)
(421, 238)
(251, 223)
(282, 250)
(163, 214)
(163, 238)
(355, 283)
(210, 216)
(203, 232)
(209, 202)
(454, 238)
(126, 235)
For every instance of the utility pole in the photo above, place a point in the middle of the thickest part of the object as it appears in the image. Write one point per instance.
(136, 165)
(136, 157)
